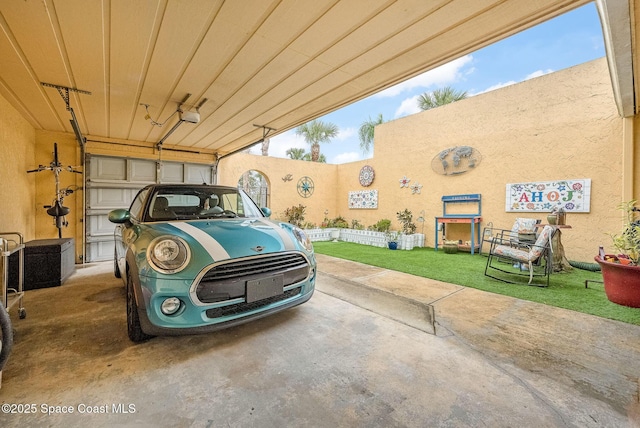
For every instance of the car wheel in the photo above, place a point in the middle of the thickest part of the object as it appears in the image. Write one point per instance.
(6, 336)
(134, 330)
(116, 269)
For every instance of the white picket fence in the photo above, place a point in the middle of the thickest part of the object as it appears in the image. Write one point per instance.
(364, 237)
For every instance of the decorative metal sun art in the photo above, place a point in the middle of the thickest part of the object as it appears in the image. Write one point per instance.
(305, 187)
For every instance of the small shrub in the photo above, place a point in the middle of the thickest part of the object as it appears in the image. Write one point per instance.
(381, 226)
(295, 215)
(338, 222)
(355, 224)
(406, 219)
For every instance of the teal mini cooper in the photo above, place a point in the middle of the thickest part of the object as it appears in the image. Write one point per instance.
(198, 258)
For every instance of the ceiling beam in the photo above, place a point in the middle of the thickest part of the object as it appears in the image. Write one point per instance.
(615, 16)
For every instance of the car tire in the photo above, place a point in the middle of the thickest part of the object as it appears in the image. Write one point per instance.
(134, 329)
(6, 336)
(116, 269)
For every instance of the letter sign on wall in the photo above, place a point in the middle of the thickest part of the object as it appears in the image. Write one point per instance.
(544, 196)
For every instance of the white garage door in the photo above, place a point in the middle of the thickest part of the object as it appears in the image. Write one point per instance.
(113, 182)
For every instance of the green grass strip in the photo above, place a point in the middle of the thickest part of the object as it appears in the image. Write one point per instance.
(566, 289)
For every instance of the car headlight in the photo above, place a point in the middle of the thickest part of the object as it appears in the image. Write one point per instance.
(302, 238)
(168, 254)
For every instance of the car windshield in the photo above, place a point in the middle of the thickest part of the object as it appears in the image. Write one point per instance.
(199, 202)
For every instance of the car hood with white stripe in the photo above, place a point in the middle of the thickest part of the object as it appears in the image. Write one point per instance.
(231, 238)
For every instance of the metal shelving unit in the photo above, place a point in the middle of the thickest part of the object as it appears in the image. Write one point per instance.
(10, 243)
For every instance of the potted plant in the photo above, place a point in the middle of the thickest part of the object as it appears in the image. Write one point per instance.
(450, 247)
(392, 239)
(621, 272)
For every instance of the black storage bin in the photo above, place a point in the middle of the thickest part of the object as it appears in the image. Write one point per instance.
(47, 263)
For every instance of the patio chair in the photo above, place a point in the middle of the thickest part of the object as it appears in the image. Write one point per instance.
(523, 229)
(511, 259)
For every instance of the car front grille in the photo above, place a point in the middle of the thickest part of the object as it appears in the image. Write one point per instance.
(239, 308)
(227, 280)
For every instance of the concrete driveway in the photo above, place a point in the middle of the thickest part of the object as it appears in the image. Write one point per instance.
(367, 356)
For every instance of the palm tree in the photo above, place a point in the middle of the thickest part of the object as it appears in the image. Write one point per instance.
(315, 133)
(440, 97)
(321, 159)
(366, 132)
(265, 146)
(295, 153)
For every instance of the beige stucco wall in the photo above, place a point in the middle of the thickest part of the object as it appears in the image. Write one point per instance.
(17, 188)
(559, 126)
(283, 193)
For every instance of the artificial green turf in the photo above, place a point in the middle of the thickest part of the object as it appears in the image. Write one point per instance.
(566, 290)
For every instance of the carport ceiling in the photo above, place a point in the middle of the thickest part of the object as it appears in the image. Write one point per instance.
(274, 63)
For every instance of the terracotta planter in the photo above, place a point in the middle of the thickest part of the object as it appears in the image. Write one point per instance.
(621, 283)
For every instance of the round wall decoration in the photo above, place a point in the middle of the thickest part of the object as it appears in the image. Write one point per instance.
(366, 176)
(305, 187)
(456, 160)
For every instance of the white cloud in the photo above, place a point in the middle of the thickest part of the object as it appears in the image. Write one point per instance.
(538, 73)
(346, 133)
(496, 86)
(346, 157)
(443, 75)
(532, 75)
(408, 106)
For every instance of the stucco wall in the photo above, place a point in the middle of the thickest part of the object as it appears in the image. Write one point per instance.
(17, 189)
(283, 194)
(559, 126)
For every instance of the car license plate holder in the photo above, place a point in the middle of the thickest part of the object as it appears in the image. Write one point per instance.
(264, 288)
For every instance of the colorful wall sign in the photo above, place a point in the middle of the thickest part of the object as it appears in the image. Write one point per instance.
(360, 199)
(544, 196)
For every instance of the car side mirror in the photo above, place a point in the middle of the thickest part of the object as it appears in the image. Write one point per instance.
(119, 216)
(266, 211)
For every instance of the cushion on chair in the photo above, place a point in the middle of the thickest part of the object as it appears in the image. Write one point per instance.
(541, 242)
(526, 255)
(526, 225)
(511, 252)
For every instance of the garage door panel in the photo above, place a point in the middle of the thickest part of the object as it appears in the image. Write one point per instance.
(172, 172)
(114, 182)
(112, 198)
(143, 170)
(100, 225)
(100, 251)
(198, 174)
(108, 168)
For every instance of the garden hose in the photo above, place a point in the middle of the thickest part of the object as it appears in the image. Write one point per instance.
(592, 267)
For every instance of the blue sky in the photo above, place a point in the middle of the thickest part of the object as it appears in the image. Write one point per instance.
(571, 39)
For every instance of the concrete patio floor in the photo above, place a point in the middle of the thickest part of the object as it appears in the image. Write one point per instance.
(371, 348)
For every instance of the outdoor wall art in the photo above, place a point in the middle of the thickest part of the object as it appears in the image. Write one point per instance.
(363, 199)
(456, 160)
(305, 187)
(366, 176)
(543, 196)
